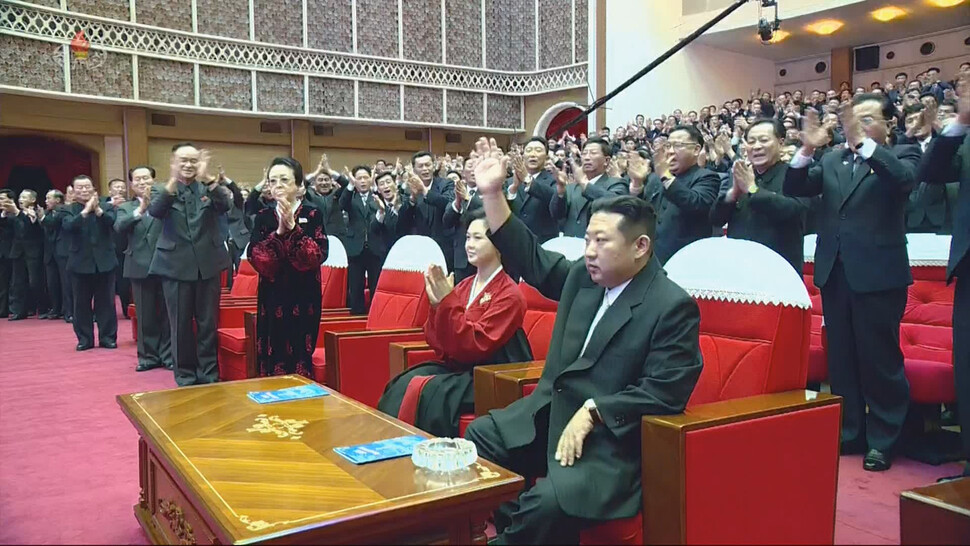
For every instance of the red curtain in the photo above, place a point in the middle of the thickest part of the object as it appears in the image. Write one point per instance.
(42, 163)
(564, 117)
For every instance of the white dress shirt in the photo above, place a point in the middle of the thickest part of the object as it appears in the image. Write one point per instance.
(609, 298)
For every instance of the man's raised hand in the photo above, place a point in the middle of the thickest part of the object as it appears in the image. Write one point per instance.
(491, 169)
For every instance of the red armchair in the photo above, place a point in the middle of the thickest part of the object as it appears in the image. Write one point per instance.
(354, 361)
(752, 444)
(236, 340)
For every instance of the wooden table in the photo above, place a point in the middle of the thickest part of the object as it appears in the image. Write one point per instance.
(216, 467)
(936, 514)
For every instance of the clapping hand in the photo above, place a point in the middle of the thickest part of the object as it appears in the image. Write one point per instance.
(963, 104)
(638, 169)
(91, 205)
(812, 134)
(461, 193)
(613, 168)
(117, 200)
(287, 219)
(854, 134)
(437, 285)
(578, 176)
(562, 179)
(202, 174)
(743, 176)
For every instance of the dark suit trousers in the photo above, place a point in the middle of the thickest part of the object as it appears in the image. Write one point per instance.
(536, 516)
(198, 301)
(154, 334)
(961, 351)
(54, 291)
(67, 287)
(865, 361)
(99, 287)
(37, 301)
(18, 286)
(123, 285)
(369, 263)
(6, 271)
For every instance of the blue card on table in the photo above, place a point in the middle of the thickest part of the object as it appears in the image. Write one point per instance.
(285, 395)
(379, 451)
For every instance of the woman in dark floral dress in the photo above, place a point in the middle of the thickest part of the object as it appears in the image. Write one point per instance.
(288, 245)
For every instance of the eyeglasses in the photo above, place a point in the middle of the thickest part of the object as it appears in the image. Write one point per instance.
(681, 145)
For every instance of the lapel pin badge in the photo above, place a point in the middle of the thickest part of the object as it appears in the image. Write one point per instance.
(486, 297)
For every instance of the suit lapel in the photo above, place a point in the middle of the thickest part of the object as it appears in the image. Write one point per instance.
(854, 178)
(581, 314)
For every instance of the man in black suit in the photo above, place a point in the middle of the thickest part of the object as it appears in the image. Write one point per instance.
(927, 207)
(238, 224)
(430, 196)
(360, 204)
(625, 344)
(751, 201)
(141, 231)
(117, 196)
(862, 268)
(323, 191)
(12, 285)
(683, 196)
(92, 264)
(190, 255)
(947, 160)
(531, 188)
(388, 225)
(466, 200)
(32, 239)
(571, 204)
(51, 225)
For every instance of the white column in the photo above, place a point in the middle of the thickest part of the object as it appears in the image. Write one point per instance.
(356, 98)
(402, 101)
(134, 77)
(444, 33)
(572, 27)
(253, 84)
(537, 33)
(67, 68)
(484, 49)
(306, 35)
(400, 29)
(132, 16)
(195, 82)
(306, 91)
(195, 16)
(252, 34)
(353, 24)
(444, 105)
(485, 109)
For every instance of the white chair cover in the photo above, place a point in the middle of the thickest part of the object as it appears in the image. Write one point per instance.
(719, 268)
(414, 253)
(928, 249)
(809, 247)
(336, 253)
(573, 248)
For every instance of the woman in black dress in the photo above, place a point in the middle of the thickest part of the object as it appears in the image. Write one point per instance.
(288, 245)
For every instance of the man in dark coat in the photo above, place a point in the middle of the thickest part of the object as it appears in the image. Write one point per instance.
(51, 224)
(142, 230)
(190, 256)
(625, 344)
(92, 264)
(12, 286)
(531, 188)
(862, 268)
(751, 201)
(947, 160)
(571, 204)
(430, 197)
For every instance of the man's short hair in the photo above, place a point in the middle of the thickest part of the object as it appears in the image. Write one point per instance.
(927, 94)
(603, 144)
(540, 140)
(419, 155)
(886, 105)
(932, 68)
(293, 164)
(81, 177)
(604, 128)
(358, 168)
(778, 128)
(113, 180)
(691, 131)
(29, 192)
(639, 217)
(182, 145)
(629, 139)
(8, 192)
(58, 194)
(133, 169)
(384, 174)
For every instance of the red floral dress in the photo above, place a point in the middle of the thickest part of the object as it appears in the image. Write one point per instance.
(288, 300)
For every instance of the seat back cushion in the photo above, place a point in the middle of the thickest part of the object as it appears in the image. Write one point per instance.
(929, 302)
(540, 317)
(401, 301)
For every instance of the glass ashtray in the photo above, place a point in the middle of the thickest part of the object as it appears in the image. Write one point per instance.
(444, 454)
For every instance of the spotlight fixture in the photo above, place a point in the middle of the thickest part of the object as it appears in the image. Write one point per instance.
(777, 36)
(945, 3)
(888, 13)
(769, 30)
(825, 26)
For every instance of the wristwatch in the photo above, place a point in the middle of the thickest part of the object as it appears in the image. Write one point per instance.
(591, 408)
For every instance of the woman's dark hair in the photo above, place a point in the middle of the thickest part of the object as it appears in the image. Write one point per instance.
(471, 216)
(292, 164)
(639, 218)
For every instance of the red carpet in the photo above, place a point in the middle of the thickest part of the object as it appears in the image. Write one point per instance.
(68, 457)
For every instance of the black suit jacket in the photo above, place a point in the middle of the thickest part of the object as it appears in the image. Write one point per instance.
(861, 218)
(572, 210)
(643, 358)
(455, 221)
(10, 245)
(329, 205)
(191, 245)
(142, 235)
(384, 234)
(768, 216)
(359, 218)
(31, 236)
(947, 159)
(532, 206)
(683, 210)
(426, 216)
(92, 248)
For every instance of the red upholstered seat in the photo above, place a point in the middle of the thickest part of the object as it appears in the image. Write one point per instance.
(357, 362)
(540, 317)
(818, 367)
(245, 282)
(928, 361)
(134, 321)
(930, 302)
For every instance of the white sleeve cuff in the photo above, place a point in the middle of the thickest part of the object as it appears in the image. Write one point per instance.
(800, 161)
(512, 196)
(954, 129)
(868, 148)
(454, 208)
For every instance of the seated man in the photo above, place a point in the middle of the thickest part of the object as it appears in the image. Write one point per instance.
(625, 344)
(477, 322)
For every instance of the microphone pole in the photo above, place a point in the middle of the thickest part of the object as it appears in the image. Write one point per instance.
(657, 62)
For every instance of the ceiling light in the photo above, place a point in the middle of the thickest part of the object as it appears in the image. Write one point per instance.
(888, 13)
(945, 3)
(825, 26)
(778, 36)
